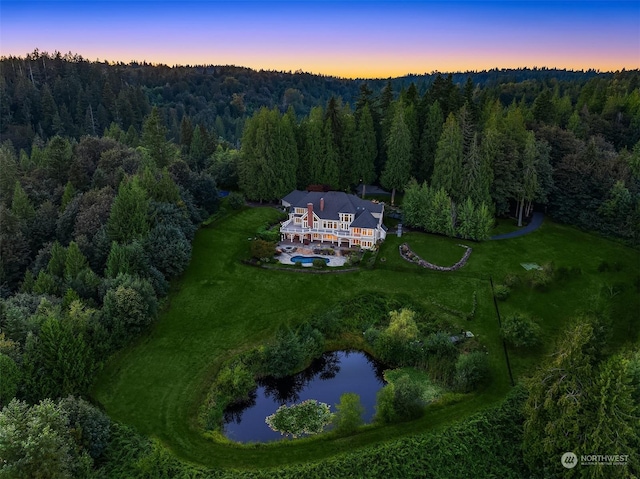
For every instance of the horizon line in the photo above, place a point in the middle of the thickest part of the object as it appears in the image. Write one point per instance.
(37, 51)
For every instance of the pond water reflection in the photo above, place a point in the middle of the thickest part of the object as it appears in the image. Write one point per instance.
(326, 379)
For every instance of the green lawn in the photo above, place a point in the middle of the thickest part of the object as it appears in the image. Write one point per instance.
(221, 306)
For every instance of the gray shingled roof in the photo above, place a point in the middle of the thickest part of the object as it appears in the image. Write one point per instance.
(365, 220)
(335, 202)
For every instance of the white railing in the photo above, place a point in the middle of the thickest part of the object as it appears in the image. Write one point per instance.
(338, 233)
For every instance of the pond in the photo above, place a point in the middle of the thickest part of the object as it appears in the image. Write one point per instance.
(326, 379)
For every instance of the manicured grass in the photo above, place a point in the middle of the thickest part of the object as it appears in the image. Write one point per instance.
(221, 306)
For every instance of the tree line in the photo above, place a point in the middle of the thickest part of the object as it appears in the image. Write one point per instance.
(483, 155)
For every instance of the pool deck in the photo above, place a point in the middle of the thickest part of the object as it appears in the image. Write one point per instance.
(289, 250)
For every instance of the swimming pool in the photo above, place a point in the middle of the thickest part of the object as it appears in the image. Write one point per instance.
(307, 259)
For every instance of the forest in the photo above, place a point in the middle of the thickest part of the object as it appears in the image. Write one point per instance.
(108, 170)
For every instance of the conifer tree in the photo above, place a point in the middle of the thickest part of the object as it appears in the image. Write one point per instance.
(128, 218)
(21, 205)
(365, 149)
(397, 171)
(154, 139)
(447, 170)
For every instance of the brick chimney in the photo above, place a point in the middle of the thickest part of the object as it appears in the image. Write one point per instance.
(310, 214)
(321, 204)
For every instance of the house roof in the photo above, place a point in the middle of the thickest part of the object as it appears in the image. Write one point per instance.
(335, 202)
(365, 220)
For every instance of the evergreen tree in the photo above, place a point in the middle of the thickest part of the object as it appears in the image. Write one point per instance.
(441, 218)
(431, 133)
(154, 139)
(186, 133)
(128, 219)
(365, 149)
(9, 176)
(58, 260)
(447, 171)
(397, 170)
(21, 205)
(556, 415)
(529, 176)
(57, 159)
(75, 262)
(67, 195)
(269, 161)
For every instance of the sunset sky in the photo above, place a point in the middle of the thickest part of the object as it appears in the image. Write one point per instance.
(351, 39)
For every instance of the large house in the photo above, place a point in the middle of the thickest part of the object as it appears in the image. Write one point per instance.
(332, 217)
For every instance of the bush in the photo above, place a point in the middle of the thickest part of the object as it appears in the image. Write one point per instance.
(235, 200)
(235, 382)
(398, 401)
(501, 292)
(520, 331)
(385, 412)
(371, 335)
(267, 233)
(407, 398)
(349, 414)
(440, 356)
(540, 279)
(471, 371)
(308, 417)
(262, 249)
(298, 264)
(512, 280)
(319, 263)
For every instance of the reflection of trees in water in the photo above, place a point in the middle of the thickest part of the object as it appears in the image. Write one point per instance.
(233, 412)
(331, 366)
(378, 367)
(287, 390)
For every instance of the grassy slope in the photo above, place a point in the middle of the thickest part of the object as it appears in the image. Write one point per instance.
(220, 306)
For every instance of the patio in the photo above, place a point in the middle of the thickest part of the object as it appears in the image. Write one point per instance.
(289, 249)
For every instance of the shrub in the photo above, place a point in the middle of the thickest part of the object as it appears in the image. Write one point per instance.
(298, 264)
(308, 417)
(565, 272)
(371, 335)
(235, 382)
(284, 356)
(385, 412)
(407, 398)
(440, 356)
(501, 292)
(471, 371)
(540, 279)
(262, 249)
(266, 233)
(349, 414)
(520, 331)
(400, 400)
(235, 200)
(512, 280)
(319, 263)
